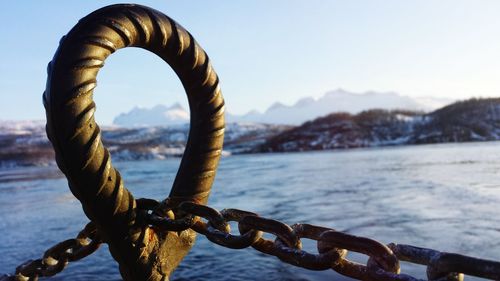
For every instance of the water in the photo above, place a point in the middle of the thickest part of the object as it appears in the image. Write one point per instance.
(439, 196)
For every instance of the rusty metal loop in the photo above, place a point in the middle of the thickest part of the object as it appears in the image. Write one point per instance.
(152, 213)
(214, 217)
(380, 253)
(147, 204)
(322, 261)
(226, 239)
(84, 246)
(89, 231)
(446, 265)
(85, 249)
(55, 259)
(379, 274)
(30, 270)
(170, 224)
(279, 248)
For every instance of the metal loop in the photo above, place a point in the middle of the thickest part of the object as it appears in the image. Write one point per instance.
(89, 231)
(168, 224)
(76, 137)
(301, 258)
(381, 254)
(55, 259)
(58, 251)
(84, 246)
(446, 265)
(166, 221)
(226, 239)
(85, 250)
(420, 256)
(286, 241)
(351, 269)
(30, 270)
(213, 216)
(379, 274)
(452, 267)
(146, 204)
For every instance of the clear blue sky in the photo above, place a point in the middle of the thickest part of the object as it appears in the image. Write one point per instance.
(267, 51)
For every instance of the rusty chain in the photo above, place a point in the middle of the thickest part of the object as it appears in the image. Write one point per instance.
(332, 246)
(56, 258)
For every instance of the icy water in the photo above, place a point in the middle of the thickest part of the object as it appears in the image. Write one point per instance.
(440, 196)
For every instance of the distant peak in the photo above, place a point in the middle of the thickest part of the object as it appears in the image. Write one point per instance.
(337, 92)
(176, 106)
(253, 112)
(158, 115)
(159, 107)
(276, 105)
(304, 101)
(374, 93)
(370, 93)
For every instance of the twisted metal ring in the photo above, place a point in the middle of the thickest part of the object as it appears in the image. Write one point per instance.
(76, 138)
(70, 108)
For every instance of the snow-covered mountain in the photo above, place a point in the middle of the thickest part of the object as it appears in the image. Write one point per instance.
(338, 101)
(305, 109)
(159, 115)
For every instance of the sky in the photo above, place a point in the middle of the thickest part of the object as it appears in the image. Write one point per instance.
(268, 51)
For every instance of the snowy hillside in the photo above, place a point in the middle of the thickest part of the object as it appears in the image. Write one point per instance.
(472, 120)
(24, 143)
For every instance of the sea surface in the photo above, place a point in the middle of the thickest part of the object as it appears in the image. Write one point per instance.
(444, 196)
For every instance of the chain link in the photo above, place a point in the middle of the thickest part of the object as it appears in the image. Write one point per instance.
(332, 246)
(56, 258)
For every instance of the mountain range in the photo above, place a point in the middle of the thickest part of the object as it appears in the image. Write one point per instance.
(305, 109)
(24, 143)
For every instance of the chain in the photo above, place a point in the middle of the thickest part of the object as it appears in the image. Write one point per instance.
(56, 258)
(332, 246)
